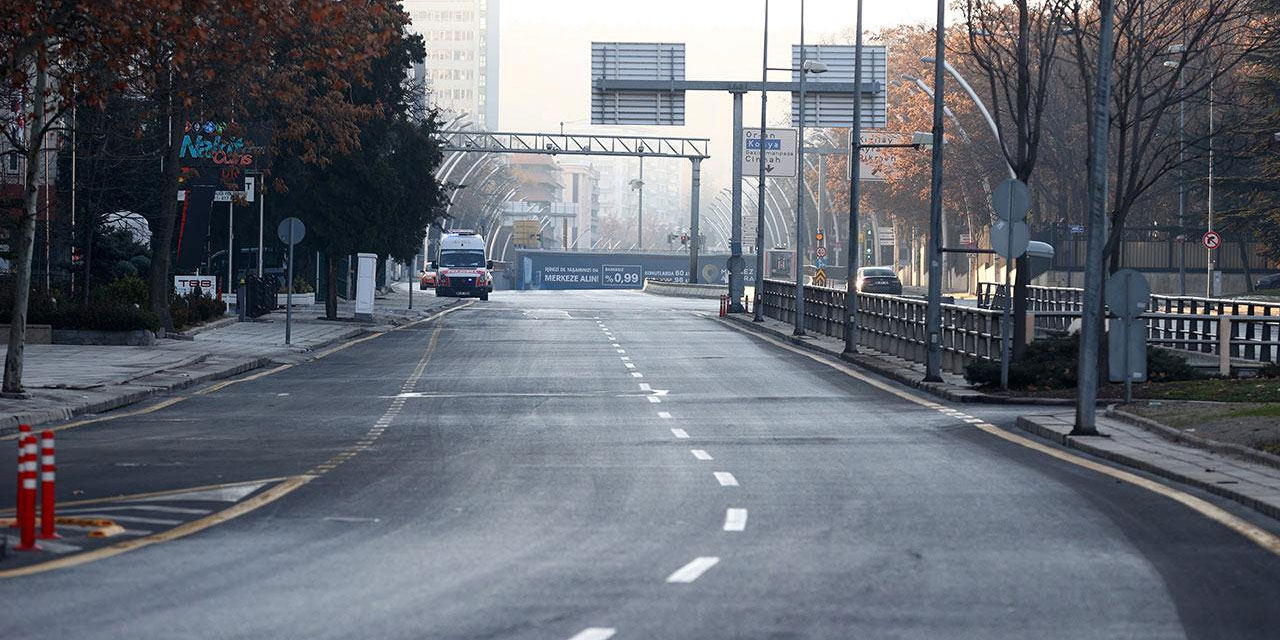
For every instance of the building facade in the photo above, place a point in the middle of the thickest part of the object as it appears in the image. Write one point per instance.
(462, 56)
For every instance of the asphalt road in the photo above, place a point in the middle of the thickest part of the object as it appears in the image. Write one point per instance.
(575, 465)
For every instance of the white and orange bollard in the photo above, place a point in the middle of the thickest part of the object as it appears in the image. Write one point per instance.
(48, 528)
(27, 497)
(24, 430)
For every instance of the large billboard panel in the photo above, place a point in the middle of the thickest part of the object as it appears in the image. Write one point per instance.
(652, 61)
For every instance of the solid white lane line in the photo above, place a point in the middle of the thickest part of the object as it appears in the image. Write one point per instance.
(693, 570)
(700, 454)
(726, 479)
(161, 509)
(735, 520)
(679, 433)
(973, 420)
(644, 386)
(664, 415)
(653, 399)
(595, 633)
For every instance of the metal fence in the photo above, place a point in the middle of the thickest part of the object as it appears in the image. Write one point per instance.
(891, 324)
(1241, 329)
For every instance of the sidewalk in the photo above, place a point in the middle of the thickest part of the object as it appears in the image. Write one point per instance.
(1235, 477)
(71, 380)
(1249, 483)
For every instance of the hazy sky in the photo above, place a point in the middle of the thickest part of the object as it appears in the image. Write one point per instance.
(546, 55)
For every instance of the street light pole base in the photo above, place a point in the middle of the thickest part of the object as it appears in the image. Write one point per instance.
(933, 379)
(799, 333)
(736, 307)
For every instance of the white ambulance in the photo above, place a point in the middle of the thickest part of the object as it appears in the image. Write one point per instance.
(461, 266)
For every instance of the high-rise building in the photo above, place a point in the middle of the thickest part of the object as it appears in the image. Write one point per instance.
(462, 56)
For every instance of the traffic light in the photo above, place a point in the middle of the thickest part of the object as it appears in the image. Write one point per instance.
(819, 236)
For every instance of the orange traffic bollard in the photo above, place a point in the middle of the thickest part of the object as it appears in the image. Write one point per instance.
(47, 495)
(27, 499)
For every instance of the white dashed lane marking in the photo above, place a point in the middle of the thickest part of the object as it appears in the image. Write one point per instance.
(595, 633)
(735, 520)
(637, 374)
(693, 570)
(726, 479)
(700, 454)
(680, 433)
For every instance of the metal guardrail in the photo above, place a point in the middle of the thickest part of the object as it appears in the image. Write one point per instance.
(891, 324)
(1241, 329)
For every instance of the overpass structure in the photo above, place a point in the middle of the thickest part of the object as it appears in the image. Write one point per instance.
(498, 142)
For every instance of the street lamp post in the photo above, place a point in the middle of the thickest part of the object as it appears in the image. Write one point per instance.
(1209, 259)
(760, 184)
(799, 259)
(933, 312)
(855, 197)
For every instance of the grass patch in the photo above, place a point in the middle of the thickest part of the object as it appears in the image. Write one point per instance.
(1272, 411)
(1213, 390)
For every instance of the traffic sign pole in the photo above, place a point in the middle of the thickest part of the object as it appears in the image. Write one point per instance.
(288, 300)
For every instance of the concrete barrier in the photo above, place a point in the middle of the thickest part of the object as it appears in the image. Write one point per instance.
(685, 290)
(36, 333)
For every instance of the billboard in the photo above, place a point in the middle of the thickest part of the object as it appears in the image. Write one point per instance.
(826, 109)
(649, 61)
(572, 270)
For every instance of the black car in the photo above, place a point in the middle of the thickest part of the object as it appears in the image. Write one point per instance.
(878, 280)
(1268, 282)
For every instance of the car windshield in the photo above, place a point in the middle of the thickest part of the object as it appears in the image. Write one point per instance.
(462, 258)
(877, 273)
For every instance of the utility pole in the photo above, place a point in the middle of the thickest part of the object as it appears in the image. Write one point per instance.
(1096, 230)
(1209, 258)
(855, 201)
(640, 217)
(933, 312)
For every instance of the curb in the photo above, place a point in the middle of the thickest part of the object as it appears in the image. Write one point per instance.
(9, 424)
(943, 390)
(1032, 426)
(1177, 435)
(190, 334)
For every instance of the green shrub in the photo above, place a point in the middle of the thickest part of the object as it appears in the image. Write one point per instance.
(299, 286)
(193, 309)
(106, 317)
(1051, 364)
(129, 289)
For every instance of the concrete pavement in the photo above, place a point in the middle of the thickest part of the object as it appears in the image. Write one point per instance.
(553, 464)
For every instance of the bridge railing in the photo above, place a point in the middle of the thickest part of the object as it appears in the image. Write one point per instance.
(891, 324)
(1252, 327)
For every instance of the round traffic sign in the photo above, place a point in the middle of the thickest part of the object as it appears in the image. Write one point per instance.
(1010, 239)
(1212, 240)
(821, 252)
(291, 231)
(1128, 294)
(1011, 199)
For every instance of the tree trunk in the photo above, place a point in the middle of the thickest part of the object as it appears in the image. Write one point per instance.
(1244, 263)
(164, 223)
(330, 287)
(12, 386)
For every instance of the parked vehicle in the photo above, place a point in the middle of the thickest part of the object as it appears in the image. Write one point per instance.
(461, 265)
(1271, 281)
(427, 280)
(878, 280)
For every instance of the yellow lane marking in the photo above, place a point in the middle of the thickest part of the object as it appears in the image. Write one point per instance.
(160, 494)
(226, 383)
(262, 499)
(1207, 509)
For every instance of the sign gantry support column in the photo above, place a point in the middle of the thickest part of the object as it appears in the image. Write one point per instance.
(736, 264)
